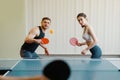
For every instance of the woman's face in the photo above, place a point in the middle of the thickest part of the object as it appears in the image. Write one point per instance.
(82, 21)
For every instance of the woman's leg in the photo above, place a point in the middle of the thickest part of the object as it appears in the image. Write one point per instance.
(96, 52)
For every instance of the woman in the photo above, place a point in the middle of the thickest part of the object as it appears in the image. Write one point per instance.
(89, 37)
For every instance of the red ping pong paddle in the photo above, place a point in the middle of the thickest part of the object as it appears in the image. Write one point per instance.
(73, 41)
(45, 40)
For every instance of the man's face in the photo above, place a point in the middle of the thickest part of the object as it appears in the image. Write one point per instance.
(45, 24)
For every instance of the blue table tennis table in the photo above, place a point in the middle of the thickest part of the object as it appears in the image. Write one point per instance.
(81, 69)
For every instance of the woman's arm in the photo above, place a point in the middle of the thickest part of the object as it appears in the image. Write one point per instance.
(90, 31)
(93, 36)
(81, 44)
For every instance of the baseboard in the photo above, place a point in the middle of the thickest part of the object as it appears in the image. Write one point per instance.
(79, 55)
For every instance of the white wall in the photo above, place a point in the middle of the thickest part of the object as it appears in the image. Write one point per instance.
(12, 27)
(103, 15)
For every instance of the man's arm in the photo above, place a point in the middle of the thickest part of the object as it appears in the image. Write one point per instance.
(23, 78)
(30, 37)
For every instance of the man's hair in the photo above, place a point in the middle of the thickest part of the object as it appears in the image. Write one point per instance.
(46, 18)
(57, 70)
(82, 15)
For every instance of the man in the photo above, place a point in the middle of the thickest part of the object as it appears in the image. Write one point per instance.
(33, 40)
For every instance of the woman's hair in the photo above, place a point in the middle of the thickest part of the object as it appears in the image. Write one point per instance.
(57, 70)
(82, 15)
